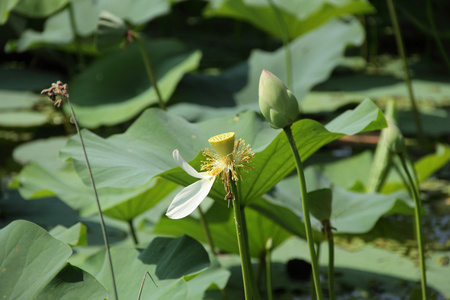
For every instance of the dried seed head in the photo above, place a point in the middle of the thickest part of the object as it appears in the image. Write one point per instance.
(57, 89)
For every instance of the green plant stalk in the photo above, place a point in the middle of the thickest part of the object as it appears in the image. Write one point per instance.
(206, 230)
(149, 69)
(250, 290)
(438, 41)
(133, 232)
(418, 224)
(285, 37)
(329, 235)
(91, 177)
(401, 50)
(303, 193)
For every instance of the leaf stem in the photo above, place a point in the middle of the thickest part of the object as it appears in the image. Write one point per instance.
(329, 235)
(133, 232)
(303, 193)
(91, 177)
(149, 69)
(418, 224)
(401, 51)
(250, 289)
(206, 230)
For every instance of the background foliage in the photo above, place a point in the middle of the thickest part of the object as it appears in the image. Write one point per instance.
(206, 58)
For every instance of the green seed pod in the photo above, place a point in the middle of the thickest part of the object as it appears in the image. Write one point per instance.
(278, 105)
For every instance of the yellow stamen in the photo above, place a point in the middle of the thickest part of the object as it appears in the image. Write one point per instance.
(223, 143)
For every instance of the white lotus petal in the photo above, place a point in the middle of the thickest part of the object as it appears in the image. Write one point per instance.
(186, 201)
(187, 167)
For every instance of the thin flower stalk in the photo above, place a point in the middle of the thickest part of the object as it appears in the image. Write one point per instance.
(328, 232)
(303, 193)
(250, 288)
(418, 224)
(57, 92)
(401, 51)
(226, 162)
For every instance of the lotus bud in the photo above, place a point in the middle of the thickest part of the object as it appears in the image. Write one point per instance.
(277, 103)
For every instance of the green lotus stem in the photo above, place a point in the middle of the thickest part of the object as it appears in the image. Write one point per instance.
(91, 177)
(269, 269)
(401, 50)
(206, 230)
(429, 11)
(285, 38)
(329, 234)
(303, 193)
(418, 224)
(133, 232)
(250, 290)
(149, 69)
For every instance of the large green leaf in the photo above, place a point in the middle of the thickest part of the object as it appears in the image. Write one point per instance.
(298, 17)
(102, 95)
(314, 56)
(46, 175)
(142, 159)
(351, 212)
(30, 257)
(165, 259)
(222, 225)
